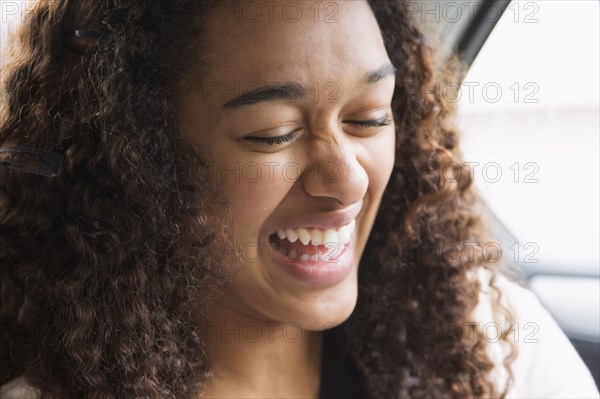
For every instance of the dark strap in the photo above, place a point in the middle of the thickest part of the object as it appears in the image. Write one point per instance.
(339, 378)
(70, 40)
(39, 162)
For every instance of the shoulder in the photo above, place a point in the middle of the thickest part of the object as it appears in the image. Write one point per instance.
(18, 388)
(547, 364)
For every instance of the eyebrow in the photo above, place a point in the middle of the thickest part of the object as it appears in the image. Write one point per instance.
(295, 91)
(379, 74)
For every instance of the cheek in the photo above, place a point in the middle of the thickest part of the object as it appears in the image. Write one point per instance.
(253, 191)
(378, 159)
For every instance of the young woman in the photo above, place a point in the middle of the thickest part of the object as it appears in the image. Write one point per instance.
(247, 199)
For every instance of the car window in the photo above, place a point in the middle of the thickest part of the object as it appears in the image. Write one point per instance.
(529, 115)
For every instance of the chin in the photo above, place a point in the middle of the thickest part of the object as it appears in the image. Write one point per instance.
(326, 309)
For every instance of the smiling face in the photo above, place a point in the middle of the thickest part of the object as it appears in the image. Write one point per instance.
(295, 117)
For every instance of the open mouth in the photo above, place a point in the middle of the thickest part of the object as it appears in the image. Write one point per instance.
(311, 244)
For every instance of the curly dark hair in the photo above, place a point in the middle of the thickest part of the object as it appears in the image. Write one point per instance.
(108, 268)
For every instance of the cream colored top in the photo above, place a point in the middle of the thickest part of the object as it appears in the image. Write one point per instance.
(547, 366)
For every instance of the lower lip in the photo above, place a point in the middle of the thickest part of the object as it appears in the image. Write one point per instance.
(322, 273)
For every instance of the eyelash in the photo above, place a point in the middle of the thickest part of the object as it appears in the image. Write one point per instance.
(274, 140)
(369, 123)
(386, 120)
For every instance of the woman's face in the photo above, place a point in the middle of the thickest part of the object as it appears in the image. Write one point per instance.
(292, 111)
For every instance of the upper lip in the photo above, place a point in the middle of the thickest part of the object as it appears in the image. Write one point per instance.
(323, 220)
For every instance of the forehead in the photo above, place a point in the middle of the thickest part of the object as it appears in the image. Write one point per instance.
(306, 41)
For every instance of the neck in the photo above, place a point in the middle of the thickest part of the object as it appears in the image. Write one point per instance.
(260, 359)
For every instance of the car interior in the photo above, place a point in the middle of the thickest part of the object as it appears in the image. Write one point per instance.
(570, 292)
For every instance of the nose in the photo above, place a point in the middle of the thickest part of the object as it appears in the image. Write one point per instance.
(335, 171)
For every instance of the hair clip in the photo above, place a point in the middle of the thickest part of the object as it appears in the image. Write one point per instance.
(39, 162)
(84, 33)
(72, 43)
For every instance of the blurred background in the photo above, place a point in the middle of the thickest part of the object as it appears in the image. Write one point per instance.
(529, 113)
(539, 119)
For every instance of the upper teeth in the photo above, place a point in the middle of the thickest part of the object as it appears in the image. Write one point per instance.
(340, 236)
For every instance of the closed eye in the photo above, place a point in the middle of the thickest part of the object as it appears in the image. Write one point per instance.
(274, 140)
(385, 120)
